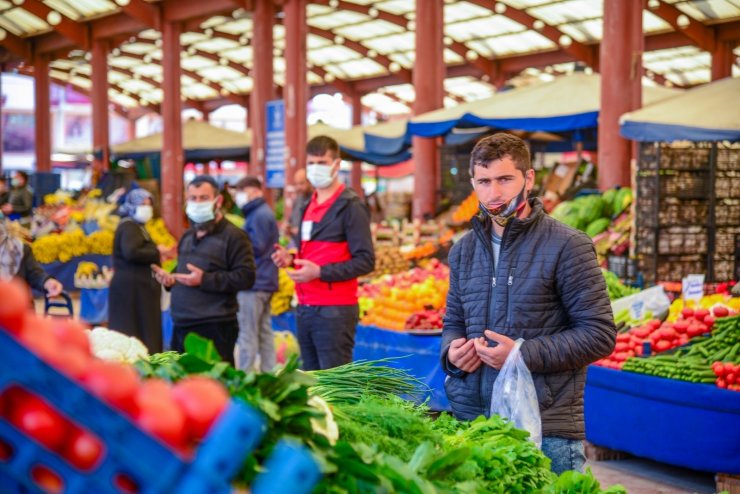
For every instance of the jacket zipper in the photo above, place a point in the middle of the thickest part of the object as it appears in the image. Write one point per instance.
(509, 283)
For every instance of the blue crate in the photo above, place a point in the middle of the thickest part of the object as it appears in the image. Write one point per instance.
(129, 450)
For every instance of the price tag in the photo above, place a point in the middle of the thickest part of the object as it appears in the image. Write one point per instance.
(561, 171)
(693, 287)
(637, 310)
(306, 228)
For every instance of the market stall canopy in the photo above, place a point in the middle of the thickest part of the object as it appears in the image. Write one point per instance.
(201, 141)
(706, 113)
(565, 104)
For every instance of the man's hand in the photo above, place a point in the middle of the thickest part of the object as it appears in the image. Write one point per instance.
(494, 356)
(281, 257)
(53, 288)
(193, 278)
(309, 271)
(163, 277)
(462, 355)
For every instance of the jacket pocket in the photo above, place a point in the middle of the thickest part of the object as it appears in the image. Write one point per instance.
(464, 396)
(544, 393)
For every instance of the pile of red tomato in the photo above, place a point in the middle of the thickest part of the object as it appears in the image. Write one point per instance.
(179, 415)
(662, 336)
(728, 375)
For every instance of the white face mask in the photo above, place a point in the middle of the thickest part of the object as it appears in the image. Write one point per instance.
(241, 199)
(143, 213)
(320, 176)
(200, 212)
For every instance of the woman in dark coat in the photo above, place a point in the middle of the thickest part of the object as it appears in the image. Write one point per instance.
(134, 295)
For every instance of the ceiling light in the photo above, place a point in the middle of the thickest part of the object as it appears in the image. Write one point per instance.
(224, 92)
(53, 18)
(18, 2)
(88, 56)
(372, 53)
(683, 21)
(334, 3)
(123, 3)
(653, 4)
(565, 40)
(500, 8)
(448, 41)
(3, 34)
(223, 61)
(329, 77)
(115, 52)
(208, 32)
(158, 43)
(538, 25)
(373, 12)
(471, 55)
(147, 59)
(394, 66)
(411, 25)
(192, 50)
(243, 39)
(338, 40)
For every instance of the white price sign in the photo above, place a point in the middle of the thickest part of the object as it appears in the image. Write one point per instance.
(693, 287)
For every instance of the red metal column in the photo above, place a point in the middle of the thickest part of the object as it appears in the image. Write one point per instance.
(172, 154)
(722, 60)
(428, 79)
(263, 88)
(296, 87)
(42, 112)
(131, 129)
(99, 97)
(357, 165)
(620, 87)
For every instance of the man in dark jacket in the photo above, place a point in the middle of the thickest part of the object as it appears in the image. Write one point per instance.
(335, 249)
(255, 324)
(215, 262)
(20, 199)
(522, 274)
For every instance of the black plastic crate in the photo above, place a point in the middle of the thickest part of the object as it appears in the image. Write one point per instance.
(724, 240)
(727, 185)
(671, 211)
(671, 268)
(675, 240)
(672, 183)
(727, 212)
(724, 268)
(728, 157)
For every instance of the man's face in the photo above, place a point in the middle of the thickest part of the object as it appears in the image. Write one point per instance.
(18, 180)
(3, 186)
(204, 193)
(327, 160)
(300, 182)
(500, 182)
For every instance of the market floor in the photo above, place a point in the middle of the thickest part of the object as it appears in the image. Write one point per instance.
(639, 476)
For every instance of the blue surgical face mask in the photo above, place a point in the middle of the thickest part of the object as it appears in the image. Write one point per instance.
(200, 212)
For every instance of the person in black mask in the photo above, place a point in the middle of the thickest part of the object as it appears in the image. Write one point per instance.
(215, 262)
(520, 274)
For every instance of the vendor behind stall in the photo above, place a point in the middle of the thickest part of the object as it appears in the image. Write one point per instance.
(17, 260)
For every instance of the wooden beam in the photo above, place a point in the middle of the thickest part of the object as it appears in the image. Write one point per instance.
(183, 10)
(147, 13)
(701, 35)
(77, 33)
(16, 45)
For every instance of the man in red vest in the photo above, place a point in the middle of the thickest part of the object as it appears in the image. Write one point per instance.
(335, 248)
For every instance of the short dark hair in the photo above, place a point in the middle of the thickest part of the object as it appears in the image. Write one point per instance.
(498, 146)
(24, 175)
(249, 181)
(204, 179)
(320, 145)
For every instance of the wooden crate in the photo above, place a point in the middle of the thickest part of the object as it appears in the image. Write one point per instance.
(727, 483)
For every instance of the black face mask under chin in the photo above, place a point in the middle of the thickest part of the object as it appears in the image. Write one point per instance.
(206, 226)
(506, 212)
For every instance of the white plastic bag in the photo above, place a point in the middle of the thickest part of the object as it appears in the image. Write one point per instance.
(514, 396)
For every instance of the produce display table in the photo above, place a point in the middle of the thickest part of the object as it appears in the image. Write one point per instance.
(372, 343)
(679, 423)
(65, 271)
(422, 352)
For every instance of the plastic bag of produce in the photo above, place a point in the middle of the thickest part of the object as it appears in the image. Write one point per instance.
(515, 397)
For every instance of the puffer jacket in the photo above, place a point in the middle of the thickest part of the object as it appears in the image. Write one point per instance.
(547, 289)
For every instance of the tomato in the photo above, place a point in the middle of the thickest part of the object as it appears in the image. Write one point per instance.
(38, 420)
(623, 337)
(668, 333)
(728, 368)
(6, 451)
(681, 326)
(125, 484)
(38, 336)
(71, 333)
(721, 383)
(112, 382)
(82, 449)
(662, 345)
(621, 347)
(162, 417)
(48, 480)
(730, 378)
(654, 324)
(687, 312)
(71, 361)
(16, 304)
(720, 311)
(202, 399)
(700, 314)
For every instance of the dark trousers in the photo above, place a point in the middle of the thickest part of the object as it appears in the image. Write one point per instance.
(223, 335)
(326, 334)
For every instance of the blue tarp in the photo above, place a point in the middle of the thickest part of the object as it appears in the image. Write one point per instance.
(94, 305)
(690, 425)
(655, 132)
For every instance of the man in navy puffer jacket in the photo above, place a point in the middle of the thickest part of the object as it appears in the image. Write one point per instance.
(255, 323)
(522, 274)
